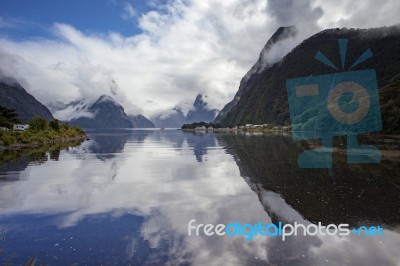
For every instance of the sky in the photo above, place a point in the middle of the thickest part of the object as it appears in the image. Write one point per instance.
(155, 54)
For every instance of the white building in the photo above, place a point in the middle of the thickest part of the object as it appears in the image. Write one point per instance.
(19, 127)
(201, 128)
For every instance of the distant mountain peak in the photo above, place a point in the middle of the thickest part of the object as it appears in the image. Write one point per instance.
(101, 112)
(106, 113)
(197, 112)
(140, 121)
(199, 102)
(106, 98)
(264, 60)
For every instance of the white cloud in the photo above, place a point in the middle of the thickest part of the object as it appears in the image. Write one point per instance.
(185, 48)
(359, 13)
(129, 12)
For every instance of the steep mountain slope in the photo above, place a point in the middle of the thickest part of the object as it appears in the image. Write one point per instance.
(198, 111)
(262, 95)
(13, 95)
(251, 76)
(105, 112)
(140, 121)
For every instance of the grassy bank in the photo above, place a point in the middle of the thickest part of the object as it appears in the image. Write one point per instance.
(10, 139)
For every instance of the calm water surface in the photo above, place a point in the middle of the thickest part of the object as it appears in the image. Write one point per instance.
(126, 197)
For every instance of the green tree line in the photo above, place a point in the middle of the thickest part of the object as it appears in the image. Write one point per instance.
(40, 130)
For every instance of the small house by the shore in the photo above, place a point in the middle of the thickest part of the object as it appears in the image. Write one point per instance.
(20, 127)
(200, 128)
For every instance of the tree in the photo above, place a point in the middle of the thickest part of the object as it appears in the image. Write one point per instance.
(8, 117)
(54, 124)
(64, 126)
(37, 123)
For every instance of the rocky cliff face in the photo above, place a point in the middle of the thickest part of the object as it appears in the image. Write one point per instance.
(14, 96)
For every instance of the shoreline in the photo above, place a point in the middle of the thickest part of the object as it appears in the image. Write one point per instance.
(20, 146)
(287, 131)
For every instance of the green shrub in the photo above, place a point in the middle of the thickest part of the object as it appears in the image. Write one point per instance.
(40, 132)
(64, 126)
(55, 125)
(9, 139)
(37, 123)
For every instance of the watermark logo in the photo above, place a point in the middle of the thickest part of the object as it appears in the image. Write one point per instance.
(249, 231)
(338, 104)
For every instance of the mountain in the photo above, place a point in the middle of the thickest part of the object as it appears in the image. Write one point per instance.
(173, 118)
(140, 121)
(201, 111)
(250, 78)
(104, 112)
(262, 94)
(197, 112)
(13, 95)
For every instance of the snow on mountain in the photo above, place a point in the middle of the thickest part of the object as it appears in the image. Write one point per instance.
(106, 113)
(103, 112)
(72, 110)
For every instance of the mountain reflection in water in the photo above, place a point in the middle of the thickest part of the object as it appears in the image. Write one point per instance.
(126, 197)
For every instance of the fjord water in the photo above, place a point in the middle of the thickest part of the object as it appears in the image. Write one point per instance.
(126, 197)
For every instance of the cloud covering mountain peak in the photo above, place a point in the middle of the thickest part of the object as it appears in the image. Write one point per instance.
(183, 47)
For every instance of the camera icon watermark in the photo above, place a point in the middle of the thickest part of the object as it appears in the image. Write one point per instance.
(337, 104)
